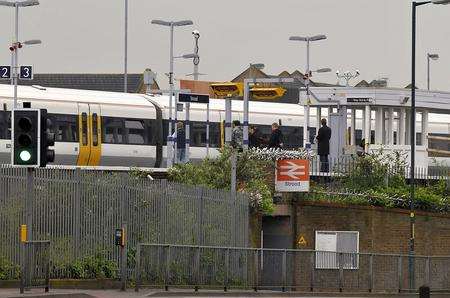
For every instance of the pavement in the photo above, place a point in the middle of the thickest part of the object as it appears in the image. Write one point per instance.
(62, 293)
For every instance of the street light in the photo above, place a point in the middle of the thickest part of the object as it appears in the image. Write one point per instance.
(430, 57)
(15, 44)
(307, 39)
(171, 24)
(413, 129)
(322, 70)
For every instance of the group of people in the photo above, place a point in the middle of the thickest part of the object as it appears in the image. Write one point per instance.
(255, 139)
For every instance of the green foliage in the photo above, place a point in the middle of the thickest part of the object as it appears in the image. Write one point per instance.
(378, 179)
(8, 271)
(93, 267)
(253, 176)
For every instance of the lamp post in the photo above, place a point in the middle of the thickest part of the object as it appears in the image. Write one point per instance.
(307, 39)
(430, 57)
(171, 25)
(187, 137)
(413, 133)
(16, 44)
(125, 64)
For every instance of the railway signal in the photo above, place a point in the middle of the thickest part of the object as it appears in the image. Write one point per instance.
(31, 138)
(267, 92)
(47, 139)
(25, 137)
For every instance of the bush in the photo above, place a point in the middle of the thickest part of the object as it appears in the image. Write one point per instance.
(8, 271)
(254, 176)
(93, 267)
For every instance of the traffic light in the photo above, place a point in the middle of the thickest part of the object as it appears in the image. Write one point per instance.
(31, 138)
(25, 137)
(47, 139)
(267, 92)
(227, 89)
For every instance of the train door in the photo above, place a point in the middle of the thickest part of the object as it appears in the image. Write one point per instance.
(89, 124)
(95, 135)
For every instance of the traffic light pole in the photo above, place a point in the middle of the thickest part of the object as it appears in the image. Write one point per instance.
(247, 83)
(29, 201)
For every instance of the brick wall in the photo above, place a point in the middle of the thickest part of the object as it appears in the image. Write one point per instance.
(380, 230)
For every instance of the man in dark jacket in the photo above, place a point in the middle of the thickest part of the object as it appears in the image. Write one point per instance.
(323, 145)
(254, 137)
(181, 143)
(276, 138)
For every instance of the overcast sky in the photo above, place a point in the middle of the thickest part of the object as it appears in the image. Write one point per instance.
(86, 36)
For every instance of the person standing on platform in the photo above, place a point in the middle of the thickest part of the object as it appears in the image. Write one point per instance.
(254, 138)
(181, 143)
(276, 137)
(237, 135)
(323, 145)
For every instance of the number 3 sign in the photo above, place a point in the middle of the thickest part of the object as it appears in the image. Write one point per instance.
(26, 72)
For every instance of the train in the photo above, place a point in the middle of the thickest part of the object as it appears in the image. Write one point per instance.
(96, 128)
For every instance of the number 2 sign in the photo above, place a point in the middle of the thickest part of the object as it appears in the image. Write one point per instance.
(5, 72)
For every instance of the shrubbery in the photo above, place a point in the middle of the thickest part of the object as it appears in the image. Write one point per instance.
(378, 179)
(8, 271)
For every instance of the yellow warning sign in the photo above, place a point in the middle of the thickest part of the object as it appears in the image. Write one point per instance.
(301, 241)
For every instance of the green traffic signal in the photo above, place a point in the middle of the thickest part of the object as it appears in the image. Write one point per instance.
(25, 155)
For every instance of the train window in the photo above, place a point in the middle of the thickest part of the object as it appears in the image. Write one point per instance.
(95, 129)
(113, 130)
(214, 134)
(135, 132)
(84, 129)
(312, 135)
(5, 125)
(293, 136)
(419, 139)
(64, 127)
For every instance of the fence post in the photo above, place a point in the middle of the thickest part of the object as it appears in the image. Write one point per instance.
(370, 273)
(400, 274)
(77, 211)
(284, 269)
(341, 272)
(123, 260)
(313, 268)
(428, 271)
(256, 266)
(138, 268)
(227, 264)
(23, 267)
(197, 268)
(167, 277)
(47, 268)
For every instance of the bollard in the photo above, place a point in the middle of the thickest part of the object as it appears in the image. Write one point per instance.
(424, 292)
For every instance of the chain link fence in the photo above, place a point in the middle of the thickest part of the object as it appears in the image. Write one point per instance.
(288, 269)
(79, 210)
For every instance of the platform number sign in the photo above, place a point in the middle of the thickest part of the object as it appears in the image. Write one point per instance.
(26, 72)
(5, 72)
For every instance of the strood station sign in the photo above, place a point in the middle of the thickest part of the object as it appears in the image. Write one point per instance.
(292, 175)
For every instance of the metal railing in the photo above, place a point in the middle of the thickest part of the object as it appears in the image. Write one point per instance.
(79, 210)
(285, 269)
(35, 265)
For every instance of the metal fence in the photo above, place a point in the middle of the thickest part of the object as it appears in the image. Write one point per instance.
(79, 210)
(35, 265)
(288, 269)
(342, 166)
